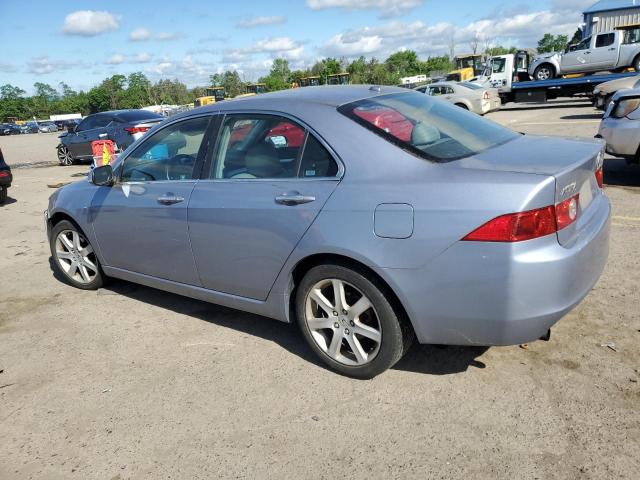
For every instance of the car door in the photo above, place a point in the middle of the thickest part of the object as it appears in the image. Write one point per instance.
(76, 139)
(577, 59)
(604, 55)
(260, 195)
(141, 221)
(98, 131)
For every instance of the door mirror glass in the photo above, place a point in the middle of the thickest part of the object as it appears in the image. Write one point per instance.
(102, 176)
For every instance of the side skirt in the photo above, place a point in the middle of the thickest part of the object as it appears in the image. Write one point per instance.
(267, 309)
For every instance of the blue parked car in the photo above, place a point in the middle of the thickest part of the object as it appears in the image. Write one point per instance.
(369, 215)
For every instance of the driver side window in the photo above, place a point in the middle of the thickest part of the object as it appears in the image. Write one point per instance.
(170, 154)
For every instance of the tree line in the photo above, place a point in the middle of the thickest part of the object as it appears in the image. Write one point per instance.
(136, 90)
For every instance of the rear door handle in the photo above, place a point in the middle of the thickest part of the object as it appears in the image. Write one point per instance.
(293, 198)
(170, 199)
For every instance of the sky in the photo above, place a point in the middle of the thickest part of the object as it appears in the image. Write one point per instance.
(83, 42)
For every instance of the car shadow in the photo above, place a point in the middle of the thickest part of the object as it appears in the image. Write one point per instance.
(8, 201)
(426, 359)
(440, 359)
(586, 116)
(618, 173)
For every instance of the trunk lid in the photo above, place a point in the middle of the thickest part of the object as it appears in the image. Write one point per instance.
(572, 163)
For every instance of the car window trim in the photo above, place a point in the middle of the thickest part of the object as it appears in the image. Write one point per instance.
(206, 174)
(201, 151)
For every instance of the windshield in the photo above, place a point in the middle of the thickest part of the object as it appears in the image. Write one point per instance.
(427, 127)
(471, 85)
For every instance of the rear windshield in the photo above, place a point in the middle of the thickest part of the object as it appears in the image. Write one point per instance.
(427, 127)
(136, 115)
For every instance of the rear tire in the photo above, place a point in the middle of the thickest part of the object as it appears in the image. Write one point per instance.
(3, 194)
(360, 335)
(636, 63)
(74, 258)
(64, 156)
(544, 72)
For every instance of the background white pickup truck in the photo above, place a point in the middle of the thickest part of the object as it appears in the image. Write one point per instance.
(614, 51)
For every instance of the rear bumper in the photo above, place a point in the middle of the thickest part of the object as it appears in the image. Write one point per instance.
(621, 135)
(5, 181)
(479, 293)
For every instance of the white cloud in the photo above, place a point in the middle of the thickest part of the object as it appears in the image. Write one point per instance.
(168, 35)
(278, 47)
(8, 68)
(386, 8)
(89, 23)
(143, 57)
(43, 65)
(140, 34)
(520, 30)
(116, 59)
(261, 21)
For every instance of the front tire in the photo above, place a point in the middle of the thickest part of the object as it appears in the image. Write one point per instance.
(74, 258)
(64, 156)
(636, 63)
(544, 72)
(349, 322)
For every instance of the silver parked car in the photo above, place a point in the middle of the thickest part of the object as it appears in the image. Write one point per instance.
(604, 92)
(620, 126)
(369, 215)
(470, 96)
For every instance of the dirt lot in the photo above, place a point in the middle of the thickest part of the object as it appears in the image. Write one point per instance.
(129, 382)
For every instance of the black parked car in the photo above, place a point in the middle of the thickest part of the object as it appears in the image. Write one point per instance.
(5, 178)
(123, 127)
(9, 129)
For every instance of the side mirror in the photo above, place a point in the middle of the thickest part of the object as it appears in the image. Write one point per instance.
(102, 176)
(71, 127)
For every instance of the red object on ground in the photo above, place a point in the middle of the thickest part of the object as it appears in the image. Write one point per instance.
(101, 147)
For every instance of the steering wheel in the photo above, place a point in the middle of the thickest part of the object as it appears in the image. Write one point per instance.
(181, 160)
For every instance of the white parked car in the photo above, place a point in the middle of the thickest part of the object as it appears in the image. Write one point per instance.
(470, 96)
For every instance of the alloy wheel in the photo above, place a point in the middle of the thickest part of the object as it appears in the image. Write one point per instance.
(343, 322)
(76, 257)
(64, 156)
(544, 74)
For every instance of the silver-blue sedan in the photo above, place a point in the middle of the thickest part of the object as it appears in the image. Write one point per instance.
(369, 215)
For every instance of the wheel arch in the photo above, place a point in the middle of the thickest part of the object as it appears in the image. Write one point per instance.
(635, 60)
(313, 260)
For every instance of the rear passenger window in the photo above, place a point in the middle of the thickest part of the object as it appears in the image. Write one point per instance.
(316, 160)
(605, 40)
(258, 146)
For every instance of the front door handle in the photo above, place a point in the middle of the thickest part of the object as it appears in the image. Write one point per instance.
(170, 199)
(293, 198)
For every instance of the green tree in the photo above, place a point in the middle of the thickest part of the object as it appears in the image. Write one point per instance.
(279, 76)
(551, 43)
(404, 64)
(12, 102)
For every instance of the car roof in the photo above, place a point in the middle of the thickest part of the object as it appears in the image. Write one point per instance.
(328, 95)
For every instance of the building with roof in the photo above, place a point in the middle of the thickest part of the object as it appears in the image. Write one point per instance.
(606, 15)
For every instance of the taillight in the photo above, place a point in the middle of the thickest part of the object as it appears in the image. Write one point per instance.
(600, 177)
(567, 212)
(486, 95)
(521, 226)
(4, 173)
(516, 227)
(132, 130)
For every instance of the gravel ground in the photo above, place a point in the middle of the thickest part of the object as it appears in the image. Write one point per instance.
(130, 382)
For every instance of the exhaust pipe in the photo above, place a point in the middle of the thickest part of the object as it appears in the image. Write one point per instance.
(547, 336)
